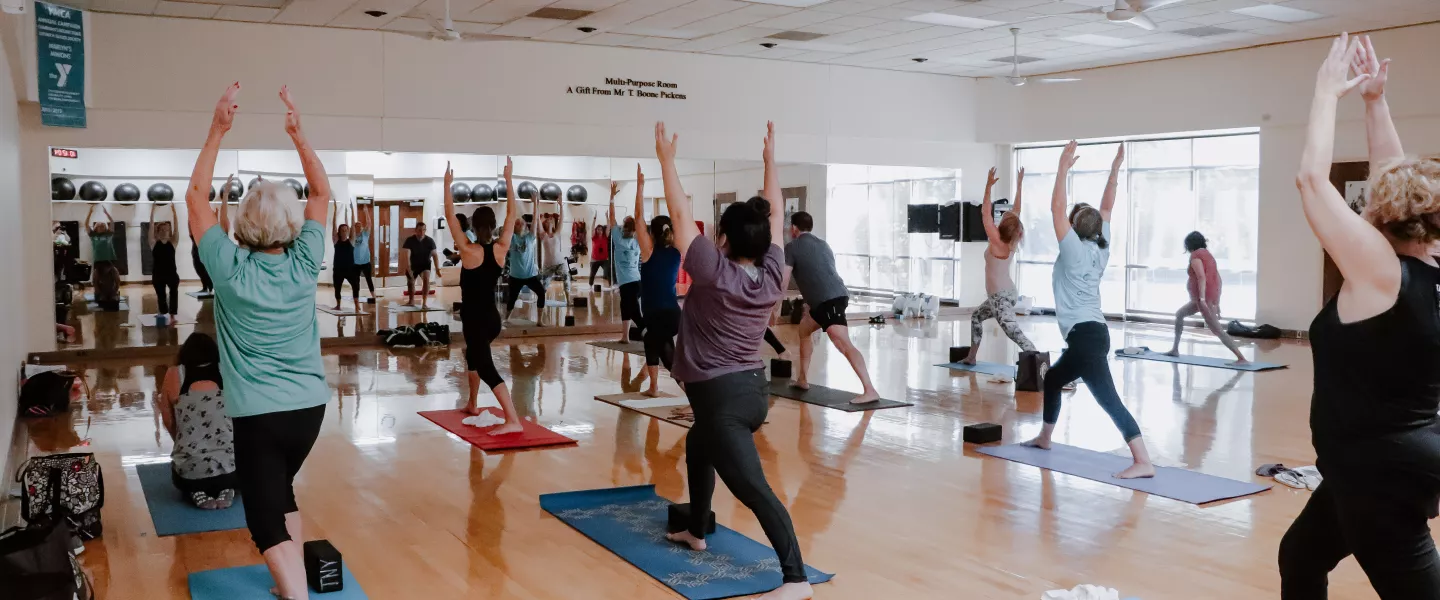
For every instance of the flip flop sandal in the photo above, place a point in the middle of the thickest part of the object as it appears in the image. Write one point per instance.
(1270, 469)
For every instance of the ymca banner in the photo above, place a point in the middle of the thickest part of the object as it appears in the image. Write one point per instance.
(60, 64)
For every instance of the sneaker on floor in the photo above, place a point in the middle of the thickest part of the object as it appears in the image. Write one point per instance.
(1291, 479)
(1069, 387)
(1311, 476)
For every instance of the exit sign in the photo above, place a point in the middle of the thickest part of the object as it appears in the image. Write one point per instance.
(64, 153)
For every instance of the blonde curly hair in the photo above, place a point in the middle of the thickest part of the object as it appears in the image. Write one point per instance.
(1404, 199)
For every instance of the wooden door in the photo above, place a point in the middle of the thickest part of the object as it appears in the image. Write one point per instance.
(395, 222)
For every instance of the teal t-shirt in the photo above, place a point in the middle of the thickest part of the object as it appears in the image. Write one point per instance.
(102, 247)
(627, 257)
(1076, 280)
(362, 248)
(265, 322)
(521, 258)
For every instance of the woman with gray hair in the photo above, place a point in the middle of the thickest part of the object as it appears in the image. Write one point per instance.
(269, 341)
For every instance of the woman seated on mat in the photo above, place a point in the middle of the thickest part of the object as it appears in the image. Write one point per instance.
(1376, 346)
(1204, 287)
(191, 404)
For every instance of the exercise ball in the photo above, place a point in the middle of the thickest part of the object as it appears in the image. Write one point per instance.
(307, 190)
(127, 192)
(251, 185)
(550, 192)
(461, 191)
(159, 192)
(295, 185)
(237, 190)
(482, 193)
(94, 191)
(526, 190)
(61, 188)
(577, 194)
(212, 193)
(501, 192)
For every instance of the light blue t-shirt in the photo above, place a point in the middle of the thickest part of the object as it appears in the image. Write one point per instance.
(265, 322)
(470, 235)
(362, 248)
(627, 257)
(521, 258)
(1076, 280)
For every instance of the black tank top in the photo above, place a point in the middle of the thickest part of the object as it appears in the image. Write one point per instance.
(204, 372)
(344, 254)
(1381, 375)
(477, 289)
(164, 256)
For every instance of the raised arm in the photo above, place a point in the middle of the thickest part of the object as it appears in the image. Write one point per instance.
(772, 188)
(335, 224)
(642, 232)
(987, 216)
(1361, 252)
(319, 200)
(614, 191)
(1019, 191)
(224, 206)
(1107, 202)
(1061, 193)
(512, 212)
(675, 199)
(197, 195)
(153, 240)
(90, 217)
(1380, 130)
(109, 220)
(461, 242)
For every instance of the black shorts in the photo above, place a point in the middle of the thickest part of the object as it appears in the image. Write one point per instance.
(416, 270)
(630, 301)
(366, 269)
(830, 313)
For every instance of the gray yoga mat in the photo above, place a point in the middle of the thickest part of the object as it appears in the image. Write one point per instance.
(829, 397)
(1168, 482)
(636, 348)
(1203, 361)
(198, 295)
(417, 308)
(344, 312)
(95, 307)
(983, 367)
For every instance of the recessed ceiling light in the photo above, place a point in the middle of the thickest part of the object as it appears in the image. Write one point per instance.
(950, 20)
(1273, 12)
(919, 60)
(586, 29)
(769, 44)
(1102, 40)
(376, 13)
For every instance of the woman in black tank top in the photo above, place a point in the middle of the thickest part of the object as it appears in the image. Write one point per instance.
(1376, 349)
(480, 320)
(164, 276)
(343, 267)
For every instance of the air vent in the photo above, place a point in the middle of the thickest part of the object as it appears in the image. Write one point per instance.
(561, 14)
(796, 36)
(1022, 59)
(1206, 31)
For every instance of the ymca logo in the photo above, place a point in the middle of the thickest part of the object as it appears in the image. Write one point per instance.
(64, 74)
(58, 12)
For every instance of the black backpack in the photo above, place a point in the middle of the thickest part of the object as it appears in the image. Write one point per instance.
(36, 564)
(63, 486)
(46, 394)
(418, 336)
(1263, 332)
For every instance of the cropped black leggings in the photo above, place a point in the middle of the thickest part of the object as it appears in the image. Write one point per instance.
(774, 342)
(1087, 357)
(480, 331)
(269, 450)
(600, 265)
(664, 325)
(367, 271)
(728, 411)
(512, 292)
(167, 292)
(343, 274)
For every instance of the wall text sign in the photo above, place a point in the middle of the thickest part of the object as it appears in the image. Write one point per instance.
(630, 88)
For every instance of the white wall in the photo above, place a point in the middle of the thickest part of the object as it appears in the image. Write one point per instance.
(1270, 88)
(13, 306)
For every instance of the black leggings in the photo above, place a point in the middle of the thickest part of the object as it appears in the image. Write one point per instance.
(664, 325)
(1088, 358)
(169, 302)
(340, 275)
(774, 342)
(210, 486)
(728, 411)
(269, 450)
(365, 270)
(206, 284)
(600, 265)
(512, 291)
(1375, 511)
(480, 330)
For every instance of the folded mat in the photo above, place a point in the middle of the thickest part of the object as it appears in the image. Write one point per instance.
(199, 295)
(254, 583)
(1202, 361)
(983, 367)
(172, 513)
(828, 397)
(416, 308)
(666, 408)
(532, 437)
(1169, 482)
(343, 312)
(630, 521)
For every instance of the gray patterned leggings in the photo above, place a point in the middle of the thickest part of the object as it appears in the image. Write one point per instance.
(1001, 307)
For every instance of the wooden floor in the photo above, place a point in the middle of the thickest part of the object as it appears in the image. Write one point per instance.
(891, 501)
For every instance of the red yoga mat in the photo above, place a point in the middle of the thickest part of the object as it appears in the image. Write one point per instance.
(533, 436)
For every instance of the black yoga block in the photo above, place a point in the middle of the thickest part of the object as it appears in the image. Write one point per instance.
(580, 302)
(982, 433)
(323, 567)
(679, 519)
(785, 307)
(635, 335)
(455, 307)
(569, 320)
(779, 368)
(958, 353)
(598, 287)
(370, 300)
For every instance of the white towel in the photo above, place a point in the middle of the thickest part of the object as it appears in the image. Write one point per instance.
(1083, 591)
(484, 419)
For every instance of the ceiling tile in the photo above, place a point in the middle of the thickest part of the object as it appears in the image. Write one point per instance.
(899, 26)
(253, 14)
(799, 19)
(503, 11)
(894, 14)
(189, 9)
(657, 43)
(136, 7)
(528, 26)
(310, 12)
(354, 17)
(610, 39)
(719, 23)
(562, 34)
(844, 7)
(585, 4)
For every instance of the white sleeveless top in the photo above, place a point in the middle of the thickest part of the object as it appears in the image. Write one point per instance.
(553, 255)
(997, 272)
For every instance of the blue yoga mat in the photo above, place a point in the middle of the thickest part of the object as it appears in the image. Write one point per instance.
(254, 583)
(1203, 361)
(630, 521)
(173, 514)
(1169, 482)
(983, 367)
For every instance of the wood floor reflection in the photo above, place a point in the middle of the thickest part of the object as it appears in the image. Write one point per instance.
(892, 501)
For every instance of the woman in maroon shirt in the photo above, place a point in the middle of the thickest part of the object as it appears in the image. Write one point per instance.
(600, 253)
(1204, 287)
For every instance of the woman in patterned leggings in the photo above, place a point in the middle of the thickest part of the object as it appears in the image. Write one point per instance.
(999, 256)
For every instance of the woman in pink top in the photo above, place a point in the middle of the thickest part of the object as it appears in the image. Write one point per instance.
(1204, 287)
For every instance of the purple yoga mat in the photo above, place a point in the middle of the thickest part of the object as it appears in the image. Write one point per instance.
(1169, 482)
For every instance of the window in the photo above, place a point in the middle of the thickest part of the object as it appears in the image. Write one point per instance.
(1168, 188)
(866, 213)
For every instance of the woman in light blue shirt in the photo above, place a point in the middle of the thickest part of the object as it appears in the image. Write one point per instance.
(363, 268)
(1084, 251)
(625, 250)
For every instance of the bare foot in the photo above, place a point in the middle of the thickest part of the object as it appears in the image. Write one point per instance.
(790, 591)
(337, 308)
(800, 385)
(867, 397)
(1172, 353)
(472, 409)
(1137, 471)
(653, 393)
(1239, 362)
(968, 361)
(1040, 443)
(684, 537)
(507, 429)
(410, 303)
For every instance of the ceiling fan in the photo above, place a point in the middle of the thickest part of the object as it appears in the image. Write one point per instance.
(444, 31)
(1016, 80)
(1133, 12)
